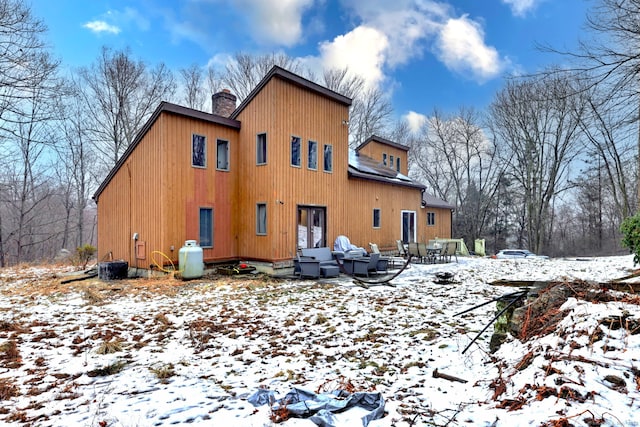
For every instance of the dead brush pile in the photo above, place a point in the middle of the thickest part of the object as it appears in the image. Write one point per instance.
(561, 363)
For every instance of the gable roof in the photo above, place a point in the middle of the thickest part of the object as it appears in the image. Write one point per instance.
(164, 107)
(278, 72)
(365, 167)
(379, 139)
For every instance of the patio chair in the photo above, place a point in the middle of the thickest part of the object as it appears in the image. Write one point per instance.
(362, 266)
(306, 266)
(413, 251)
(452, 250)
(384, 261)
(401, 251)
(425, 253)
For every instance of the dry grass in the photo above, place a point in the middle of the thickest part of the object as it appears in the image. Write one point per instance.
(163, 372)
(109, 347)
(8, 389)
(10, 354)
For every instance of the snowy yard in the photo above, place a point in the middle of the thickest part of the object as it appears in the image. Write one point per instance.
(160, 352)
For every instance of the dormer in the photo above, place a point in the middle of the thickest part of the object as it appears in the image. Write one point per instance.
(388, 153)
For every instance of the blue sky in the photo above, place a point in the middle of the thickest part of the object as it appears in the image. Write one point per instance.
(426, 54)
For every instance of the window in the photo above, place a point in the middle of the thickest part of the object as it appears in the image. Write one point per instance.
(295, 151)
(222, 155)
(198, 151)
(391, 163)
(261, 149)
(206, 227)
(328, 158)
(376, 218)
(261, 219)
(384, 159)
(398, 164)
(312, 153)
(431, 218)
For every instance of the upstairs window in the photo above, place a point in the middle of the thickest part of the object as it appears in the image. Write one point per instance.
(384, 159)
(261, 149)
(391, 162)
(295, 151)
(398, 164)
(206, 227)
(312, 155)
(222, 155)
(328, 158)
(198, 151)
(376, 218)
(431, 218)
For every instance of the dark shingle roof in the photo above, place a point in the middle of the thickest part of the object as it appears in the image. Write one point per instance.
(379, 139)
(435, 202)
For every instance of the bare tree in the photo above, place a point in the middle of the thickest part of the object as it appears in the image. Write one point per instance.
(538, 121)
(610, 61)
(370, 114)
(341, 81)
(609, 142)
(243, 74)
(28, 85)
(461, 165)
(194, 91)
(75, 160)
(120, 94)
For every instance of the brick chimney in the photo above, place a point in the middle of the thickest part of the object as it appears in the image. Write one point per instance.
(224, 103)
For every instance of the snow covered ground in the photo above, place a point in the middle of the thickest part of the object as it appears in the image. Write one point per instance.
(160, 352)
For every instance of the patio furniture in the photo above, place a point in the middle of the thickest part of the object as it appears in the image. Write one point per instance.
(318, 262)
(413, 251)
(306, 267)
(452, 250)
(362, 266)
(401, 251)
(384, 261)
(427, 254)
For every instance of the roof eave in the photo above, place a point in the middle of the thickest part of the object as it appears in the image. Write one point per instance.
(295, 79)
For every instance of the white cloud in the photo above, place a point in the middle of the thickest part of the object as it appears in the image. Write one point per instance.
(407, 24)
(416, 121)
(461, 48)
(278, 22)
(520, 7)
(362, 50)
(101, 27)
(128, 17)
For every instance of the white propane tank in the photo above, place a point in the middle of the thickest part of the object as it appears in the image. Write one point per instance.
(190, 260)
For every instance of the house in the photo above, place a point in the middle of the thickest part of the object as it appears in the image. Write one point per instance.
(259, 181)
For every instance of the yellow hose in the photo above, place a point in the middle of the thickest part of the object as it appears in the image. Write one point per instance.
(173, 266)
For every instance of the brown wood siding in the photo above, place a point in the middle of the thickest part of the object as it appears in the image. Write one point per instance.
(187, 188)
(442, 227)
(131, 203)
(157, 194)
(375, 150)
(366, 195)
(284, 110)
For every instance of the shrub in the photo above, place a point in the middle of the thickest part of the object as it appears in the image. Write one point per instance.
(84, 254)
(630, 229)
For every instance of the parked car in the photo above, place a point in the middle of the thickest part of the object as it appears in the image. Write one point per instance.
(518, 254)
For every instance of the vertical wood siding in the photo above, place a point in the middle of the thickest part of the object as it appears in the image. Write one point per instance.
(158, 194)
(375, 151)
